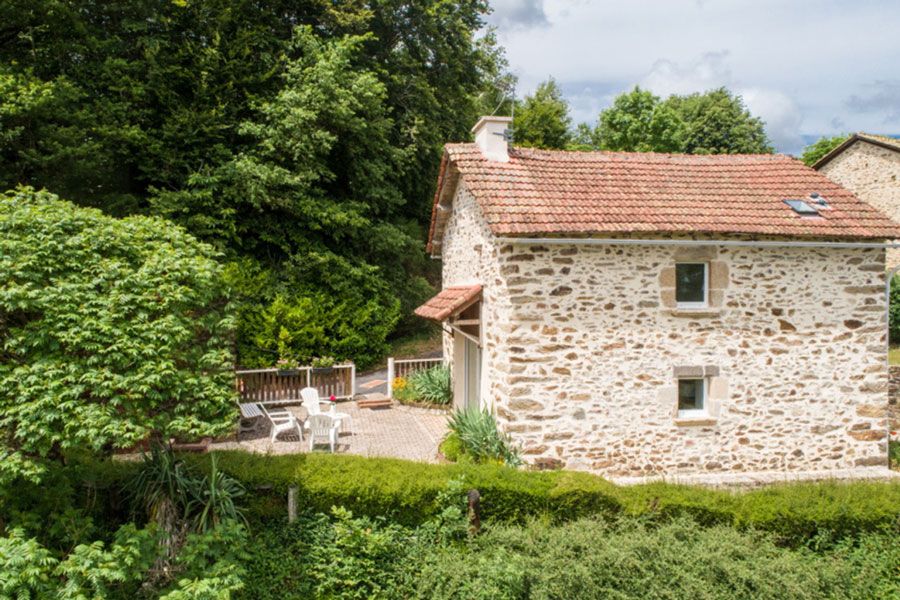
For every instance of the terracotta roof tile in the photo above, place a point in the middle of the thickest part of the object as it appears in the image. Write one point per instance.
(449, 301)
(551, 192)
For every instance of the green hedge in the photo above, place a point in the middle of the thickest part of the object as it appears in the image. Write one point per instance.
(405, 492)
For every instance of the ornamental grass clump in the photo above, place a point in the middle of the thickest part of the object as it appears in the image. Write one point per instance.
(481, 440)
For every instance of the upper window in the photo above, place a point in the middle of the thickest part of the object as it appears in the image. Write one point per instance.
(691, 284)
(691, 397)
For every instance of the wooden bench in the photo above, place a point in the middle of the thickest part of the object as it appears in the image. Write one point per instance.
(251, 417)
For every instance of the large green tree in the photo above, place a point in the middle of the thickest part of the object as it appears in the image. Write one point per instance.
(196, 111)
(542, 119)
(638, 122)
(714, 122)
(110, 331)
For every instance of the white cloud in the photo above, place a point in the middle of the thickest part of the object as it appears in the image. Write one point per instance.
(781, 114)
(809, 64)
(518, 13)
(883, 98)
(667, 77)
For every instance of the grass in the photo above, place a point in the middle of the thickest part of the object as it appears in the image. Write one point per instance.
(894, 355)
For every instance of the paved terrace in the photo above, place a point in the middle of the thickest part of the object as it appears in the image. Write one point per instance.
(397, 432)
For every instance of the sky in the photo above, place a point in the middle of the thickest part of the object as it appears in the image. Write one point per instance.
(807, 67)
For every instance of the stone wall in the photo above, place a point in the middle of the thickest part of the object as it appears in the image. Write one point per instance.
(873, 174)
(795, 353)
(894, 398)
(469, 255)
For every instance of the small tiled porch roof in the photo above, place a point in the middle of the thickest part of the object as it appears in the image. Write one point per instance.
(450, 302)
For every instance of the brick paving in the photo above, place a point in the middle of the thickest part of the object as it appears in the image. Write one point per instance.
(398, 432)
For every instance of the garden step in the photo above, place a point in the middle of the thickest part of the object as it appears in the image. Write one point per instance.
(373, 401)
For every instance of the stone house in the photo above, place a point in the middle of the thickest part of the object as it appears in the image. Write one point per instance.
(869, 166)
(653, 314)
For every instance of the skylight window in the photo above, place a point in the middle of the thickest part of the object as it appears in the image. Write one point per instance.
(802, 208)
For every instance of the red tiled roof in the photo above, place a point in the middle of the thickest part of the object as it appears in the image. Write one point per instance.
(552, 192)
(449, 301)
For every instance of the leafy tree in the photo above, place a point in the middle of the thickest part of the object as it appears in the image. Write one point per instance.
(717, 122)
(188, 110)
(714, 122)
(815, 151)
(111, 331)
(639, 122)
(542, 119)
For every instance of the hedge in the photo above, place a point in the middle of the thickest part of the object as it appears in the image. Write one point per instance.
(405, 492)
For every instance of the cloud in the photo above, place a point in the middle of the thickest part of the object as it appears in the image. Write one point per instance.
(518, 14)
(667, 77)
(884, 98)
(781, 115)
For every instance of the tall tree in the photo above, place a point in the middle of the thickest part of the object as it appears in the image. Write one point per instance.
(184, 109)
(542, 119)
(821, 147)
(718, 122)
(714, 122)
(639, 122)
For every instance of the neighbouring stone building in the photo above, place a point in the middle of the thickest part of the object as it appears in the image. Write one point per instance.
(650, 314)
(869, 166)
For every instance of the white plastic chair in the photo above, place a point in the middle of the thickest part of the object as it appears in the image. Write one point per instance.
(322, 426)
(282, 420)
(313, 406)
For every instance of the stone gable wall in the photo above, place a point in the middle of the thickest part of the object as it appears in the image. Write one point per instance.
(469, 255)
(873, 174)
(795, 357)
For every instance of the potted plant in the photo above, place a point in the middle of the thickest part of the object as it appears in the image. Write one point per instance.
(323, 365)
(286, 367)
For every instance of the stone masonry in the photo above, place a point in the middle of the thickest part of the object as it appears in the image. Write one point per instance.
(873, 174)
(582, 347)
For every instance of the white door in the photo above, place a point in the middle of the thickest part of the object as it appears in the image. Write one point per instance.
(472, 374)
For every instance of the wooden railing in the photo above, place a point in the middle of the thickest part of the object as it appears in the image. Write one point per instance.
(277, 386)
(406, 367)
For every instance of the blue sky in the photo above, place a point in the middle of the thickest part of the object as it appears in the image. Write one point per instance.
(807, 67)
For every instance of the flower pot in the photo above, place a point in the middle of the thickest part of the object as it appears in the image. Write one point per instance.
(288, 372)
(323, 370)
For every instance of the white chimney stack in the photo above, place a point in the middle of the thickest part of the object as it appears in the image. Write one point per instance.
(490, 136)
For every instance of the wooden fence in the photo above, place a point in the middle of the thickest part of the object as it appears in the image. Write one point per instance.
(406, 367)
(277, 386)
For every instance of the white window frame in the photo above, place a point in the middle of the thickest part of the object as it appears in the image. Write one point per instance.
(705, 302)
(694, 412)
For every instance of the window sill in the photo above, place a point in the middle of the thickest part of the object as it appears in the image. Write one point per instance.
(695, 312)
(698, 421)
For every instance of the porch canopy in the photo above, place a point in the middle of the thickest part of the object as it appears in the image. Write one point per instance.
(450, 302)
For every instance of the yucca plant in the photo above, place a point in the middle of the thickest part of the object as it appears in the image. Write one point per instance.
(482, 440)
(213, 500)
(432, 385)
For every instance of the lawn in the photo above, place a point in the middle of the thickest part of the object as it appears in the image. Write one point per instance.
(894, 355)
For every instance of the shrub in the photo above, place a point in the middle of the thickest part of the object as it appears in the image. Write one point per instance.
(452, 448)
(894, 453)
(481, 439)
(432, 385)
(628, 558)
(111, 329)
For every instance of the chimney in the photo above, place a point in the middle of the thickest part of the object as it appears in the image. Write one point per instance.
(490, 135)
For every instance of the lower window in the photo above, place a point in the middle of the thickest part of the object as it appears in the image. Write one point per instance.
(691, 397)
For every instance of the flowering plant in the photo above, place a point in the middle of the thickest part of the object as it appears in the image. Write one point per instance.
(285, 363)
